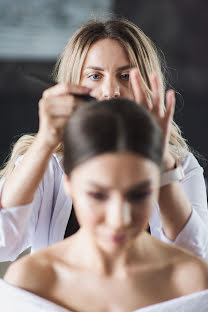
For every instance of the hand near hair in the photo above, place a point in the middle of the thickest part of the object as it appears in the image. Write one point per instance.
(154, 104)
(55, 107)
(175, 208)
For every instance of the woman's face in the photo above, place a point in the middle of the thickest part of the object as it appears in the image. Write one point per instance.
(113, 196)
(106, 70)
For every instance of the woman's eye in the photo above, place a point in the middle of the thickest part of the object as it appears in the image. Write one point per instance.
(134, 197)
(97, 195)
(125, 76)
(94, 76)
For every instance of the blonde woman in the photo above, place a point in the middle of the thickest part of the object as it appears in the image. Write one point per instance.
(106, 59)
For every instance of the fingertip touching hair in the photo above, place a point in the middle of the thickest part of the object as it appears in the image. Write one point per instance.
(111, 126)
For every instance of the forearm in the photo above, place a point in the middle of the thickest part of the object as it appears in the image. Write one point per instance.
(20, 186)
(175, 209)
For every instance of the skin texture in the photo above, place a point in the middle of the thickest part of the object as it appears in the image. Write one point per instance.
(124, 198)
(111, 263)
(105, 80)
(106, 71)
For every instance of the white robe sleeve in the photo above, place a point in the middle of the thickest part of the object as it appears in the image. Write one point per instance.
(18, 224)
(194, 235)
(190, 303)
(14, 299)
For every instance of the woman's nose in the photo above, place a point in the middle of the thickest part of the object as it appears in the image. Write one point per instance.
(110, 90)
(119, 215)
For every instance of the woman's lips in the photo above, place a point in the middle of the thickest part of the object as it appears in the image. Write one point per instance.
(115, 238)
(118, 238)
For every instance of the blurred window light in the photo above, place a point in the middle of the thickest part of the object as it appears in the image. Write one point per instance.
(40, 29)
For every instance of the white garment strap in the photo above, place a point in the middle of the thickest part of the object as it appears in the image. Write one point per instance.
(173, 175)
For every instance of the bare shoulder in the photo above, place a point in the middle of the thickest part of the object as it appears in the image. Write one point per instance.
(190, 274)
(34, 273)
(187, 273)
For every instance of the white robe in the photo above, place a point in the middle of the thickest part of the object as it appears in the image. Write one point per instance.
(14, 299)
(43, 222)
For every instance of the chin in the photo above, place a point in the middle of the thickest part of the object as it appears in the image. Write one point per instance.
(115, 243)
(112, 249)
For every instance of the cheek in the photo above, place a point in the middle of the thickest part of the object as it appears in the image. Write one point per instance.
(96, 89)
(96, 92)
(143, 212)
(86, 83)
(91, 218)
(86, 213)
(127, 93)
(141, 217)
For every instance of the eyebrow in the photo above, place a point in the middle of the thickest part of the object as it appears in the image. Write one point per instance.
(137, 186)
(101, 69)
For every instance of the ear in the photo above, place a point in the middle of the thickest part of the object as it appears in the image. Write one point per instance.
(67, 185)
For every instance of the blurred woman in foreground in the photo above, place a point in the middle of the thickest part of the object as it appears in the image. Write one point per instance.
(113, 156)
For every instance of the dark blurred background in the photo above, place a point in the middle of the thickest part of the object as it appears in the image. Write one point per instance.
(32, 34)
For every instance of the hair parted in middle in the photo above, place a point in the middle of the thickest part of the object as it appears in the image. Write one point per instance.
(111, 126)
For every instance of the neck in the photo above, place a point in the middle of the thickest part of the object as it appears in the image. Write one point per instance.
(115, 262)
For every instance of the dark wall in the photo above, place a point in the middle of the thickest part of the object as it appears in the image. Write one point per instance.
(179, 29)
(19, 98)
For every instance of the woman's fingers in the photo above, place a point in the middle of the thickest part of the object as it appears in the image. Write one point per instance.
(164, 118)
(59, 106)
(55, 107)
(170, 106)
(63, 89)
(156, 105)
(156, 108)
(137, 88)
(59, 101)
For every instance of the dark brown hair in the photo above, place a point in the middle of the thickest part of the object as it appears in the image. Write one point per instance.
(111, 126)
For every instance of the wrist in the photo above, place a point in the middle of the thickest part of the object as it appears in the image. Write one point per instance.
(169, 163)
(44, 145)
(173, 175)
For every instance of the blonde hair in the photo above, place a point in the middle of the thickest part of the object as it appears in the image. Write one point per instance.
(141, 53)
